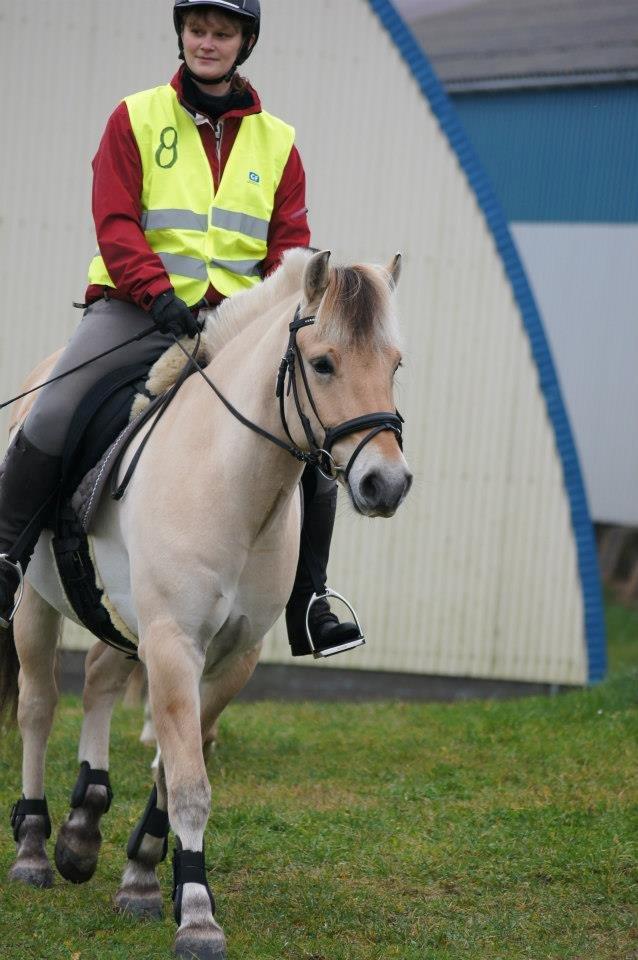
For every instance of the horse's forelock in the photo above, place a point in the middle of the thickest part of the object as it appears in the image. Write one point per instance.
(356, 309)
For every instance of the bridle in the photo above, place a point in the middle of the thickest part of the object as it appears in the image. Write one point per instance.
(320, 455)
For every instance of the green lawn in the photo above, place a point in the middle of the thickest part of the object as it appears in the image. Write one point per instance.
(363, 832)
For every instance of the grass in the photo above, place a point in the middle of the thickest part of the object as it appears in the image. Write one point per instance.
(491, 830)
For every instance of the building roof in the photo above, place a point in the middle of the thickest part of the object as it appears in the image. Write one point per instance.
(501, 44)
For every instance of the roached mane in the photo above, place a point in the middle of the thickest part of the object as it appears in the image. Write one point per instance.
(238, 311)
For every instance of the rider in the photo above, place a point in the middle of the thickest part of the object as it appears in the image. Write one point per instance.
(201, 142)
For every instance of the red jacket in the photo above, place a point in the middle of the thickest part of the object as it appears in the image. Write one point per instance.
(137, 272)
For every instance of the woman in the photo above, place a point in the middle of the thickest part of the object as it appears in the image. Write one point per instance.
(197, 193)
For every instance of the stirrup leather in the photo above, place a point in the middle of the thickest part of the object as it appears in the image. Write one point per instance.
(16, 566)
(339, 647)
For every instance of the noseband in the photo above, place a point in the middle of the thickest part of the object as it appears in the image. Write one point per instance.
(321, 455)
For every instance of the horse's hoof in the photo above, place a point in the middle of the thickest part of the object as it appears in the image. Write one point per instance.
(199, 943)
(32, 874)
(76, 853)
(143, 907)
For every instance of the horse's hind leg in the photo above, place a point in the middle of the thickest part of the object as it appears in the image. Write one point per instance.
(79, 839)
(36, 629)
(220, 688)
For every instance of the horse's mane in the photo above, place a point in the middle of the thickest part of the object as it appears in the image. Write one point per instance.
(356, 307)
(235, 313)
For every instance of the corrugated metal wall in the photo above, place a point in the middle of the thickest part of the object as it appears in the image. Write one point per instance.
(478, 575)
(566, 156)
(565, 165)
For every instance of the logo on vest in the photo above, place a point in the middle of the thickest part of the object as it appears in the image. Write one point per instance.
(166, 153)
(254, 177)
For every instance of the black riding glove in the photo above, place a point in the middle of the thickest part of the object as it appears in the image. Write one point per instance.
(172, 315)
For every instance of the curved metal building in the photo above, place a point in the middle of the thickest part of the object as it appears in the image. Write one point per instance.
(489, 570)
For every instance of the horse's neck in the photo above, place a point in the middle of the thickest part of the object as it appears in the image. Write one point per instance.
(245, 370)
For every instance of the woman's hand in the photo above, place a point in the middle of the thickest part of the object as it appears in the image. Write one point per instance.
(172, 315)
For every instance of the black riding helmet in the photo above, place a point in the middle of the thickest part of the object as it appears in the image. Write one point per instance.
(249, 10)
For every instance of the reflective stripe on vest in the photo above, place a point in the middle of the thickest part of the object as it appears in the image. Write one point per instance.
(202, 237)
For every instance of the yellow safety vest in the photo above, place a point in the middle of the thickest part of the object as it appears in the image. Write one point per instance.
(201, 236)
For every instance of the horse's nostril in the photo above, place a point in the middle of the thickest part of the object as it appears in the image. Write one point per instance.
(371, 486)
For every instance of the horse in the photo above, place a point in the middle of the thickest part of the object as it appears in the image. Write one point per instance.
(198, 560)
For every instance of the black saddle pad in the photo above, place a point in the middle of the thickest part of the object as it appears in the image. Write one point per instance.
(100, 418)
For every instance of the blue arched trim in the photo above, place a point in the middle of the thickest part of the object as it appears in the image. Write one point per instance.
(581, 521)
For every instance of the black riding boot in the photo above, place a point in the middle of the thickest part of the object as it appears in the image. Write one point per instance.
(328, 635)
(28, 481)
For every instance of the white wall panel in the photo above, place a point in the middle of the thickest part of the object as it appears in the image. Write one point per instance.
(580, 274)
(477, 575)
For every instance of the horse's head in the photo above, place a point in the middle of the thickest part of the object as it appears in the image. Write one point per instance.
(350, 356)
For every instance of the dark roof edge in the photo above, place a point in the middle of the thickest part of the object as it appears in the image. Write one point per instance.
(573, 78)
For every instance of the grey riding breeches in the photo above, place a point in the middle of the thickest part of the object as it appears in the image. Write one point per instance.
(104, 324)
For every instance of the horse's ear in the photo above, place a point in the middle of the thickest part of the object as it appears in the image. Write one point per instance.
(316, 276)
(394, 270)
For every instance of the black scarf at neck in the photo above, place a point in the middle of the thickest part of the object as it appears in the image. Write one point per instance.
(212, 106)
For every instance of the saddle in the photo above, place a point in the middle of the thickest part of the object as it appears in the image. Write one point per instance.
(108, 419)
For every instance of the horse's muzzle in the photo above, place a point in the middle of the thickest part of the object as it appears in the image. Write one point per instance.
(379, 493)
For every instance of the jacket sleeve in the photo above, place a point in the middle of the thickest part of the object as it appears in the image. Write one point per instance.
(136, 271)
(289, 223)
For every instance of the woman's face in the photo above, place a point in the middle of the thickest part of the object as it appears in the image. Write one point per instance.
(211, 44)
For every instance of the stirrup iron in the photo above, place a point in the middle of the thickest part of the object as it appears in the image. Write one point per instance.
(16, 566)
(340, 647)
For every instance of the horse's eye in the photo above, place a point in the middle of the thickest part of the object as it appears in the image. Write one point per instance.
(322, 365)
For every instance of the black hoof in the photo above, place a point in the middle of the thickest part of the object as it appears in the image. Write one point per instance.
(140, 907)
(75, 865)
(198, 951)
(31, 876)
(197, 945)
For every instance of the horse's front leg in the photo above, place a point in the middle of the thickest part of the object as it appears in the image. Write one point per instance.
(36, 628)
(79, 839)
(140, 893)
(175, 663)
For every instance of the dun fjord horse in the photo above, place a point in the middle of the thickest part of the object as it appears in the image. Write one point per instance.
(198, 561)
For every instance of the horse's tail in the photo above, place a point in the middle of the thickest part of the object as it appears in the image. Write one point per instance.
(9, 669)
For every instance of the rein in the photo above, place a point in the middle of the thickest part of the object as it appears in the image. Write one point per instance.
(140, 336)
(319, 456)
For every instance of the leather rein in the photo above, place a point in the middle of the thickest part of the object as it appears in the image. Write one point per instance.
(319, 455)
